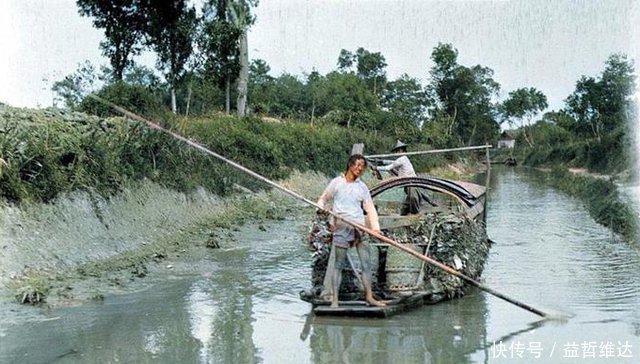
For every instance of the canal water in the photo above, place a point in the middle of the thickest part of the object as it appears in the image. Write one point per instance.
(241, 303)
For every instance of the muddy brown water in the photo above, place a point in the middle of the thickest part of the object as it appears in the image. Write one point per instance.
(240, 304)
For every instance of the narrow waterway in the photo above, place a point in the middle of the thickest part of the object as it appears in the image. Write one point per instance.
(243, 306)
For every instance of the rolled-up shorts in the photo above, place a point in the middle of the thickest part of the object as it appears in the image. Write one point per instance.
(345, 236)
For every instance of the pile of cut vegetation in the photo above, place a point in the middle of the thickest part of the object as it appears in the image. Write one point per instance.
(453, 239)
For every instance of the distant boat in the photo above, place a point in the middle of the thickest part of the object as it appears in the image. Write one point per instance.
(511, 161)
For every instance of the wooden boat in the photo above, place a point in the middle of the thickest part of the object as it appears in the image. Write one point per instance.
(511, 161)
(446, 222)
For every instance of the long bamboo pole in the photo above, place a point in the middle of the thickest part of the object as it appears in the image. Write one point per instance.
(377, 235)
(428, 151)
(487, 182)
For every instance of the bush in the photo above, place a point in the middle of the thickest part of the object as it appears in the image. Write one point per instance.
(275, 149)
(135, 98)
(47, 152)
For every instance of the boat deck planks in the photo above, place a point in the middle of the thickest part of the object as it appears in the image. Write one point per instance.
(362, 309)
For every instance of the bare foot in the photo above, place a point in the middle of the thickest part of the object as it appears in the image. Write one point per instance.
(374, 302)
(334, 305)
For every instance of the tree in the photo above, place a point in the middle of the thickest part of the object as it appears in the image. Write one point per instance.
(406, 98)
(73, 88)
(462, 98)
(314, 80)
(345, 94)
(582, 105)
(549, 130)
(143, 76)
(220, 48)
(369, 67)
(600, 106)
(123, 26)
(137, 98)
(203, 96)
(561, 119)
(240, 14)
(288, 96)
(522, 105)
(260, 87)
(76, 86)
(346, 60)
(170, 28)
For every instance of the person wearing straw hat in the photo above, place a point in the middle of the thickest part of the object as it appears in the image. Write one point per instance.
(350, 199)
(402, 167)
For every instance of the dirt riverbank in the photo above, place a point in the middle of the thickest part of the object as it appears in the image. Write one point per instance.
(78, 248)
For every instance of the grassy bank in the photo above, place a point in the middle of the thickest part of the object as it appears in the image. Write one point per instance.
(598, 192)
(601, 198)
(44, 285)
(47, 152)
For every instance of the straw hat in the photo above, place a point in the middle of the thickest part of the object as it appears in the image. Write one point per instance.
(399, 145)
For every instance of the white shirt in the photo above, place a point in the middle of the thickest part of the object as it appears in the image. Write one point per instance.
(401, 166)
(348, 198)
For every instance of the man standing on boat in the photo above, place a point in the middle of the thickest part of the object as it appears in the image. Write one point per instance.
(350, 199)
(402, 167)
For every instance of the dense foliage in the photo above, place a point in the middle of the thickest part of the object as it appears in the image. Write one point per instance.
(457, 108)
(203, 60)
(593, 130)
(47, 152)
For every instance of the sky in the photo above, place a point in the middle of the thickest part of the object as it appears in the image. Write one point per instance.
(41, 40)
(546, 44)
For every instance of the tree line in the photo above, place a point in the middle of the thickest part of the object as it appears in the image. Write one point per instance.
(594, 128)
(210, 44)
(202, 56)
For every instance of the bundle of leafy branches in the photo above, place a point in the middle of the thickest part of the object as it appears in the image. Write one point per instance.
(452, 239)
(319, 243)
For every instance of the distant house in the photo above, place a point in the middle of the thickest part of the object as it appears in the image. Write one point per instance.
(507, 139)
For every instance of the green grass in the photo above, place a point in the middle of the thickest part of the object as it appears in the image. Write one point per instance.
(48, 152)
(601, 199)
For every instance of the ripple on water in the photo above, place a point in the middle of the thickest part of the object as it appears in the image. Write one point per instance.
(548, 240)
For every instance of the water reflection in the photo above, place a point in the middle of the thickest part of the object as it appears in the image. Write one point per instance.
(202, 312)
(219, 310)
(343, 343)
(155, 341)
(444, 333)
